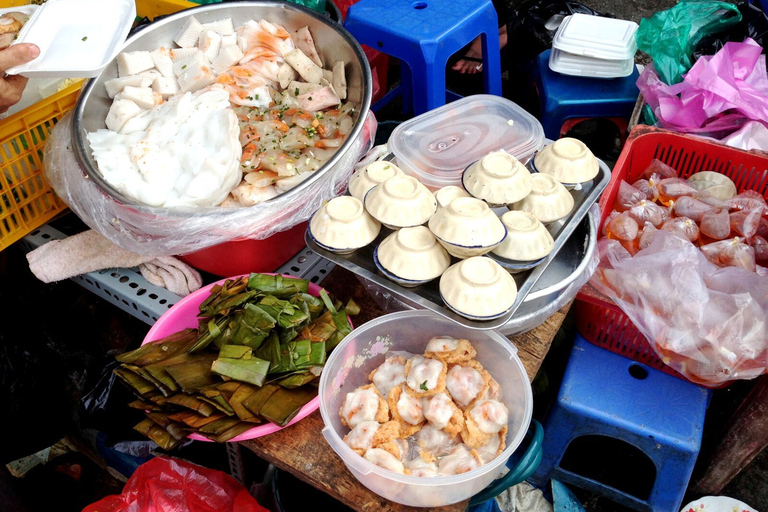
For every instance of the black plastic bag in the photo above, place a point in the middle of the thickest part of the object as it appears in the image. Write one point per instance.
(753, 24)
(530, 31)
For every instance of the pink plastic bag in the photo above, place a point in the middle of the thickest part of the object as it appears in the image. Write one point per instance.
(708, 323)
(173, 485)
(720, 92)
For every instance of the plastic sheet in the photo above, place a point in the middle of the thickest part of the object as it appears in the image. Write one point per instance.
(718, 95)
(172, 485)
(753, 135)
(753, 24)
(706, 322)
(167, 232)
(391, 303)
(670, 36)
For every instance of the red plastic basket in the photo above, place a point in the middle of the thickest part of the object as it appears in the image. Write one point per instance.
(598, 319)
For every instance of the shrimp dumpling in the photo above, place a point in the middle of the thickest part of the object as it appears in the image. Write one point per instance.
(397, 447)
(425, 376)
(450, 350)
(390, 374)
(361, 437)
(421, 467)
(443, 414)
(363, 404)
(460, 460)
(484, 420)
(384, 459)
(405, 409)
(494, 447)
(435, 440)
(466, 382)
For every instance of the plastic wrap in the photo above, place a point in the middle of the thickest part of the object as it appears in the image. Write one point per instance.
(173, 485)
(167, 232)
(706, 322)
(527, 317)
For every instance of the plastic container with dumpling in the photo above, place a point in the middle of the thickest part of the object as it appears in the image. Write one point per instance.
(437, 146)
(365, 349)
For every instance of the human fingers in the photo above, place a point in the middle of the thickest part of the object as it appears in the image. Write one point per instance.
(17, 55)
(11, 89)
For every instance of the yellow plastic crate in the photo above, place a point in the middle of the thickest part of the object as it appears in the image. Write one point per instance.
(27, 200)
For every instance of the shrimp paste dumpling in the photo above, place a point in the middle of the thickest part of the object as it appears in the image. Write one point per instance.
(425, 376)
(494, 447)
(390, 374)
(405, 409)
(384, 459)
(450, 350)
(443, 414)
(461, 460)
(421, 467)
(435, 441)
(484, 420)
(371, 434)
(465, 382)
(364, 404)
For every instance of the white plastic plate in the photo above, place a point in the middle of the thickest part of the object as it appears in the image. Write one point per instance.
(597, 37)
(77, 38)
(578, 65)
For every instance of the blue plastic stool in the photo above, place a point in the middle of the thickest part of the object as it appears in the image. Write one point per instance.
(424, 34)
(605, 397)
(564, 97)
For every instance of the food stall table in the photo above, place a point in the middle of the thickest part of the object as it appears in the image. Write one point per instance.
(301, 448)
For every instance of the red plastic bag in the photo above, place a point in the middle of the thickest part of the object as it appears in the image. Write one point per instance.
(172, 485)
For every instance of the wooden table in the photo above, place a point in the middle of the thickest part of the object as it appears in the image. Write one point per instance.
(302, 450)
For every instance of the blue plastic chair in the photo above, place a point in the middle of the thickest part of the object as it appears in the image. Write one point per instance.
(606, 397)
(565, 98)
(424, 34)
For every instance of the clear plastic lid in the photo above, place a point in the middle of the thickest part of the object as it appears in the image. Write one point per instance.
(438, 145)
(77, 38)
(597, 37)
(578, 65)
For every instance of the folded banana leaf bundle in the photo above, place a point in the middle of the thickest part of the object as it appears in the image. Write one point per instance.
(259, 348)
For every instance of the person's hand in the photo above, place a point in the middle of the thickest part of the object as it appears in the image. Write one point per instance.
(12, 86)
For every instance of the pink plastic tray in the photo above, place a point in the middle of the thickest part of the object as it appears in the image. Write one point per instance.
(183, 315)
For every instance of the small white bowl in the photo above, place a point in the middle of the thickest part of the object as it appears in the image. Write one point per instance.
(548, 201)
(467, 227)
(412, 256)
(371, 175)
(401, 202)
(498, 179)
(447, 194)
(342, 225)
(527, 238)
(568, 160)
(478, 288)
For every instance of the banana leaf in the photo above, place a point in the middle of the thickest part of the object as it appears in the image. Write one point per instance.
(229, 288)
(235, 352)
(158, 373)
(139, 384)
(284, 404)
(279, 286)
(327, 301)
(236, 402)
(195, 421)
(144, 405)
(206, 336)
(249, 326)
(322, 328)
(173, 428)
(314, 304)
(287, 335)
(160, 350)
(352, 308)
(296, 380)
(270, 350)
(220, 426)
(300, 355)
(142, 373)
(195, 374)
(225, 389)
(255, 402)
(219, 403)
(289, 315)
(192, 403)
(232, 432)
(253, 371)
(156, 433)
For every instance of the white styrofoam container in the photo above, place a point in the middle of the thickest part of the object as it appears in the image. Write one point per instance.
(578, 65)
(77, 38)
(596, 37)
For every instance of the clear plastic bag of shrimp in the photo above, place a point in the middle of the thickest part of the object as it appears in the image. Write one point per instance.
(708, 323)
(158, 231)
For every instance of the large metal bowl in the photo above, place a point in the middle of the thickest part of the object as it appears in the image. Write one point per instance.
(333, 42)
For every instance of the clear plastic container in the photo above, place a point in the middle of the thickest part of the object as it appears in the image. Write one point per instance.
(596, 37)
(578, 65)
(77, 38)
(364, 349)
(438, 145)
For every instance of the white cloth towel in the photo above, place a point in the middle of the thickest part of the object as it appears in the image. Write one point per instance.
(90, 251)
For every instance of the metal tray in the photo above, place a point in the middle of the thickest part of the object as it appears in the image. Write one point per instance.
(428, 295)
